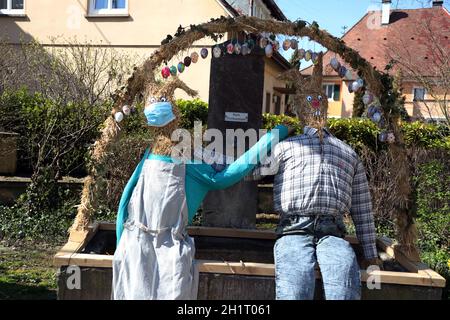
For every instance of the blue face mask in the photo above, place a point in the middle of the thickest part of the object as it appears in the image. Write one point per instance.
(159, 114)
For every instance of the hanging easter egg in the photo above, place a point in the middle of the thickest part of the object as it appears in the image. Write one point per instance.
(204, 53)
(269, 51)
(335, 64)
(376, 117)
(367, 98)
(173, 71)
(194, 57)
(349, 75)
(181, 67)
(350, 87)
(217, 52)
(390, 137)
(276, 45)
(237, 48)
(355, 86)
(263, 42)
(315, 58)
(343, 72)
(286, 44)
(187, 61)
(126, 110)
(360, 82)
(118, 117)
(301, 54)
(294, 44)
(165, 72)
(230, 48)
(371, 111)
(245, 49)
(383, 136)
(308, 55)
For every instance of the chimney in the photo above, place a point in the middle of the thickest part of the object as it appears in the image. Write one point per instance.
(385, 11)
(438, 3)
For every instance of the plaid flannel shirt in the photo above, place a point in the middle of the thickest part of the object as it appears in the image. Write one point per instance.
(313, 178)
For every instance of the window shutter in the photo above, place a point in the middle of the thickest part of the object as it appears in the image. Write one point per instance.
(337, 92)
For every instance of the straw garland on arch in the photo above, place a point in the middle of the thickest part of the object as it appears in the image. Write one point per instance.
(184, 39)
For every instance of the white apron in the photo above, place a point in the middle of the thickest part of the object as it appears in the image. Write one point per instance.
(155, 257)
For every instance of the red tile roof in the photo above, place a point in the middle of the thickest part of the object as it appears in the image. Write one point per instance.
(405, 37)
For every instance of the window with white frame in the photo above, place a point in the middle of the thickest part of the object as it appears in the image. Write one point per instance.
(419, 93)
(108, 7)
(12, 6)
(332, 91)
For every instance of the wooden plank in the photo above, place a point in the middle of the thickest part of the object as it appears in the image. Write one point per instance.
(405, 278)
(214, 232)
(239, 268)
(107, 226)
(417, 267)
(420, 274)
(225, 232)
(84, 260)
(254, 269)
(389, 248)
(84, 236)
(77, 241)
(232, 233)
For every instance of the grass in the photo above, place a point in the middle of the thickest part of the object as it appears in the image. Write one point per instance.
(26, 272)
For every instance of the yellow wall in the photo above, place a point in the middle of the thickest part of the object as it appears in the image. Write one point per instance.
(344, 108)
(139, 34)
(271, 72)
(426, 109)
(335, 107)
(148, 23)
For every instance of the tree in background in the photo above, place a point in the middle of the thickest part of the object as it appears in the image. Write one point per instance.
(434, 74)
(56, 98)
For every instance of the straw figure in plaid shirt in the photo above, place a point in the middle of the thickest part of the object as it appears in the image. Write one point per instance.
(318, 179)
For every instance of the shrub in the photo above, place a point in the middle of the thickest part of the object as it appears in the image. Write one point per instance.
(271, 120)
(191, 111)
(359, 132)
(51, 133)
(124, 156)
(423, 135)
(432, 192)
(356, 132)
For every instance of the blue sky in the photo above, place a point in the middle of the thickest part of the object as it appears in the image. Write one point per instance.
(333, 15)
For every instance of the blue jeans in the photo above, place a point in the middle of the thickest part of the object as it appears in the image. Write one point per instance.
(296, 257)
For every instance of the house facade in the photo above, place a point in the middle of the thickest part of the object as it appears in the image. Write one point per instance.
(414, 42)
(136, 27)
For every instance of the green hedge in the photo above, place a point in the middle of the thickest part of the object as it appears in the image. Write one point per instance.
(432, 192)
(191, 111)
(359, 131)
(31, 115)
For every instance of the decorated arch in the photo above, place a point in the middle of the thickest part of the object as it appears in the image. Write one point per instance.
(379, 84)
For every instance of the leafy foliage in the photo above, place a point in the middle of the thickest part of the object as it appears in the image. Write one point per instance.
(426, 135)
(432, 191)
(359, 132)
(49, 225)
(46, 127)
(191, 111)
